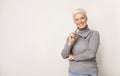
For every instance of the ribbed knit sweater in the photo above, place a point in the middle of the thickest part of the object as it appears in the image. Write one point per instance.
(84, 50)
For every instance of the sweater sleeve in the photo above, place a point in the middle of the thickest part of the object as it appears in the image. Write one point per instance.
(66, 50)
(93, 45)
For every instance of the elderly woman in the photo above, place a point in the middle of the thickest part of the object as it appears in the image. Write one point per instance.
(81, 47)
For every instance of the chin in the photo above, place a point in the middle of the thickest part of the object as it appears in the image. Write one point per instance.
(81, 27)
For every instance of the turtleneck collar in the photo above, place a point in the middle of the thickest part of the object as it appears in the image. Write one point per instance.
(84, 32)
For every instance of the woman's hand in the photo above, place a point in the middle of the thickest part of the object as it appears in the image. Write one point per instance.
(71, 38)
(71, 57)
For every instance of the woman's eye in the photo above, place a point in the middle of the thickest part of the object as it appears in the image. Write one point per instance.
(77, 19)
(82, 18)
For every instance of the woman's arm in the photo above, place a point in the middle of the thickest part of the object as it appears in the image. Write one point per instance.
(70, 40)
(66, 50)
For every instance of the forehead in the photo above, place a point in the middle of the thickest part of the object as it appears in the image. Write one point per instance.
(79, 15)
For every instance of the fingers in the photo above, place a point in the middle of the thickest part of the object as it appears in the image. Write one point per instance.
(73, 35)
(72, 38)
(71, 58)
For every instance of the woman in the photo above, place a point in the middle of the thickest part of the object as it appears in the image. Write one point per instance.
(81, 47)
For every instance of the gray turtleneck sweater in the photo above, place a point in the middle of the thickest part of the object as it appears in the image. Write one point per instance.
(84, 50)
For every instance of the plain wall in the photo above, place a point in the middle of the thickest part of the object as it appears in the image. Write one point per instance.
(33, 34)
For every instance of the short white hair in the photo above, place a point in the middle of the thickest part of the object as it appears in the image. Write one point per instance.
(77, 11)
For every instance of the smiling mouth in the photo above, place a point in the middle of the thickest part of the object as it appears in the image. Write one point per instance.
(80, 23)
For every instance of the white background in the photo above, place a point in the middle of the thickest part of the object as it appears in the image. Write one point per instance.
(33, 33)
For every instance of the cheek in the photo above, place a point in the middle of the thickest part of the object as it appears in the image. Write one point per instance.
(75, 22)
(85, 20)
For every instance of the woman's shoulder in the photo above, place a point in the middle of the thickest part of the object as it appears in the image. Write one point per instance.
(94, 31)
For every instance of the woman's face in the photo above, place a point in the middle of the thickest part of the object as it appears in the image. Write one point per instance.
(80, 20)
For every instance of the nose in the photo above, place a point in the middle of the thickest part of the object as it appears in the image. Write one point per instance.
(80, 20)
